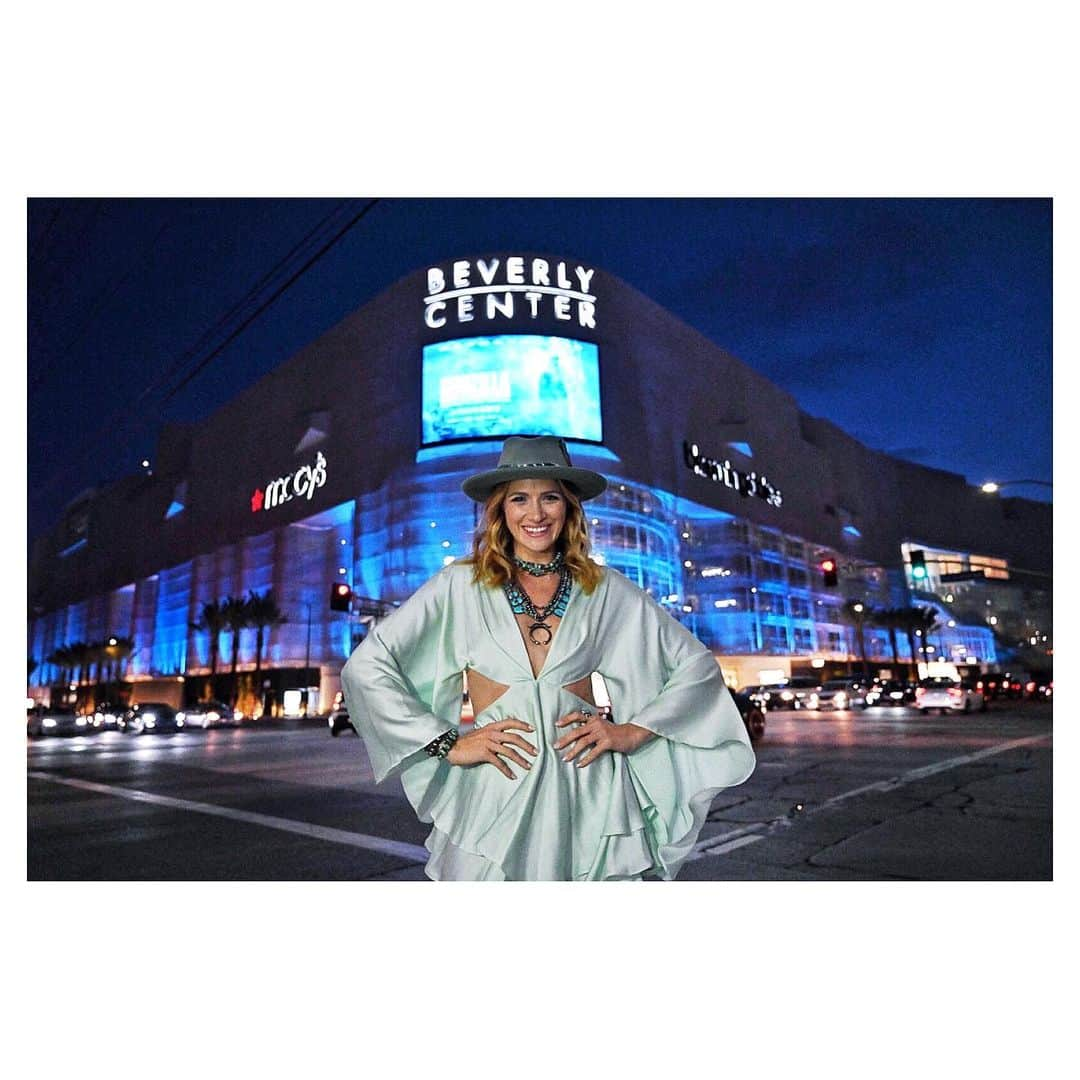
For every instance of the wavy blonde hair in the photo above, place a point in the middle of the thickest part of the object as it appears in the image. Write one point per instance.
(493, 545)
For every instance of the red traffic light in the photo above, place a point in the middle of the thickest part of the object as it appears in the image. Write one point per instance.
(829, 565)
(340, 596)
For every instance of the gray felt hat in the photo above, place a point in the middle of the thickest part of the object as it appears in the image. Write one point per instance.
(525, 457)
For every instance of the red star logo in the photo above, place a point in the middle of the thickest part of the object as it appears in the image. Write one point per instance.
(256, 501)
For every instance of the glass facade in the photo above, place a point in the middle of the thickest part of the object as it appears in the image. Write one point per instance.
(741, 588)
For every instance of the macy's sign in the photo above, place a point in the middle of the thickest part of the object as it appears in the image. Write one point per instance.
(301, 484)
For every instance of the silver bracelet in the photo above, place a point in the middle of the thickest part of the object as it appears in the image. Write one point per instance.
(440, 747)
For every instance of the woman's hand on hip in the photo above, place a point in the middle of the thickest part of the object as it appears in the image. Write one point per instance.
(598, 736)
(491, 743)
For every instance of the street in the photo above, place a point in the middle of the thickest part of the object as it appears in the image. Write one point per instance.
(880, 794)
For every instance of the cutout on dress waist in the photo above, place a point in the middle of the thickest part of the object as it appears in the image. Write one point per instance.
(483, 691)
(583, 689)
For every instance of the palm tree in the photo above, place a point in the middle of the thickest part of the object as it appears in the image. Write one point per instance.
(263, 613)
(890, 619)
(858, 614)
(234, 609)
(80, 661)
(909, 619)
(117, 650)
(212, 621)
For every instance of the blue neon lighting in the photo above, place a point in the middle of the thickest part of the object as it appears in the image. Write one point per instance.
(851, 530)
(512, 384)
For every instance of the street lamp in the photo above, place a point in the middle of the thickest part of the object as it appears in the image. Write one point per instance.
(992, 486)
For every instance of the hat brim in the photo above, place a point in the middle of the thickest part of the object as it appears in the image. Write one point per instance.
(587, 483)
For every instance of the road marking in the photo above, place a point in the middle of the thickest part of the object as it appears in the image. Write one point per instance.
(412, 852)
(746, 834)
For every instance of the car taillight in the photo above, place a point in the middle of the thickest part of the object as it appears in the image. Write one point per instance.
(979, 685)
(1031, 688)
(955, 692)
(919, 693)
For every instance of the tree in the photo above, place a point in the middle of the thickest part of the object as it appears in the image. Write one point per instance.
(263, 614)
(909, 619)
(212, 621)
(117, 651)
(890, 619)
(858, 614)
(235, 612)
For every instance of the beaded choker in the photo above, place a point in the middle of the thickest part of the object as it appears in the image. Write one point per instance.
(539, 569)
(520, 604)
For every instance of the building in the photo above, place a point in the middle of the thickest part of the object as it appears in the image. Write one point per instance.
(344, 465)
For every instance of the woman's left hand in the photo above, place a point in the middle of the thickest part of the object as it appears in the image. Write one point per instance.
(598, 736)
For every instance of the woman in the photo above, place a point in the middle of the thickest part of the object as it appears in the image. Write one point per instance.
(544, 787)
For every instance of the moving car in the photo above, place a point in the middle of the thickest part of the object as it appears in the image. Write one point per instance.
(149, 717)
(107, 714)
(837, 694)
(46, 721)
(890, 692)
(205, 714)
(946, 694)
(793, 693)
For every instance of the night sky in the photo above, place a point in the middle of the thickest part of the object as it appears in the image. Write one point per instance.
(921, 327)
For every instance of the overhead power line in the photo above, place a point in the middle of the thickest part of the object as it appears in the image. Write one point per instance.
(127, 413)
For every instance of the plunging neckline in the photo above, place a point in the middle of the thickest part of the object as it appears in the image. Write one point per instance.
(556, 632)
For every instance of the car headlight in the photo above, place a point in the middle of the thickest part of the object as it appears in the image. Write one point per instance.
(80, 721)
(813, 701)
(841, 699)
(787, 695)
(48, 722)
(181, 717)
(213, 717)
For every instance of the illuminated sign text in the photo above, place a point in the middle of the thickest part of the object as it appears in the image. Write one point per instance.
(749, 485)
(301, 484)
(491, 289)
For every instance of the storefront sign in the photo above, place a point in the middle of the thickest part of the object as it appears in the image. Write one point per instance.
(488, 290)
(301, 484)
(749, 485)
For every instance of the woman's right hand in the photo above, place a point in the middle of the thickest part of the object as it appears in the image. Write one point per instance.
(490, 744)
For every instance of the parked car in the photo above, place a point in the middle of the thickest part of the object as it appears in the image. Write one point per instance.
(149, 717)
(753, 715)
(890, 692)
(949, 695)
(60, 721)
(837, 694)
(205, 714)
(338, 721)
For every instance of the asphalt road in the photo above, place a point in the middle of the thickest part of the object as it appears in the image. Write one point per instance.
(878, 795)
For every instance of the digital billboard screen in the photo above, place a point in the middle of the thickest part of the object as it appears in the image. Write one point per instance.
(512, 384)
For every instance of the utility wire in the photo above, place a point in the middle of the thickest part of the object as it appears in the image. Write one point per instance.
(178, 366)
(258, 311)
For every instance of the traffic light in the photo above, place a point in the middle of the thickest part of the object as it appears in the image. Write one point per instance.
(340, 596)
(918, 564)
(828, 570)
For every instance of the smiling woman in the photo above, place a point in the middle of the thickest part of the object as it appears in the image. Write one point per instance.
(546, 785)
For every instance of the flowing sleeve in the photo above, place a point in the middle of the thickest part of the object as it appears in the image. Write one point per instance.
(402, 684)
(660, 677)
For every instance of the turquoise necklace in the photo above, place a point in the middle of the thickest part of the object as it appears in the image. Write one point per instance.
(520, 604)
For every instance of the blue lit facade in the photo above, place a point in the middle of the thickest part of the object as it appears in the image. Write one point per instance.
(723, 497)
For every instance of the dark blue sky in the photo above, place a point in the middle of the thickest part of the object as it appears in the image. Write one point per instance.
(921, 327)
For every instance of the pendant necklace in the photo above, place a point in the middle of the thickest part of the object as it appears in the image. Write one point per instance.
(520, 604)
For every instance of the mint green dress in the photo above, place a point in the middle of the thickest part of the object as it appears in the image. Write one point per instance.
(618, 817)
